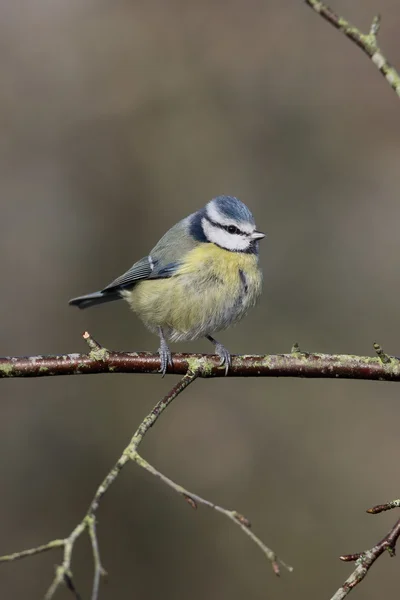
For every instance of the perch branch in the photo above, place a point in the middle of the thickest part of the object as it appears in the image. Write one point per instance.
(381, 367)
(365, 560)
(366, 41)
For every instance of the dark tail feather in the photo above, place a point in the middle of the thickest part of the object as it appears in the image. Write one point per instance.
(94, 299)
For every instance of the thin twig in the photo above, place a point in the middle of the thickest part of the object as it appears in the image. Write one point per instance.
(98, 568)
(295, 364)
(63, 572)
(383, 507)
(193, 499)
(365, 560)
(31, 551)
(233, 515)
(366, 41)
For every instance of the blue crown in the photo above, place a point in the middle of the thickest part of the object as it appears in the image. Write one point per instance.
(233, 208)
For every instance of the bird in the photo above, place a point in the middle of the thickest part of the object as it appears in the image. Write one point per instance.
(201, 277)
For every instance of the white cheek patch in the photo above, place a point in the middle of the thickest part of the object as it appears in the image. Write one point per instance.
(216, 217)
(229, 241)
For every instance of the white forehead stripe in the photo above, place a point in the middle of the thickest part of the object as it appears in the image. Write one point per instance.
(229, 241)
(217, 217)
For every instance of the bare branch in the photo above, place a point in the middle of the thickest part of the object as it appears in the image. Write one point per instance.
(63, 573)
(383, 507)
(365, 560)
(366, 41)
(31, 551)
(295, 364)
(368, 44)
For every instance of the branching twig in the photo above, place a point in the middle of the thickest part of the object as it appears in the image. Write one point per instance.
(88, 523)
(194, 500)
(295, 364)
(365, 560)
(368, 44)
(366, 41)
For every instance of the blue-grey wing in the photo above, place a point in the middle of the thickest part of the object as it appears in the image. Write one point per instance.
(146, 268)
(142, 269)
(163, 260)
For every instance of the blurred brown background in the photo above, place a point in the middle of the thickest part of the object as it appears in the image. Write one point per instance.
(119, 118)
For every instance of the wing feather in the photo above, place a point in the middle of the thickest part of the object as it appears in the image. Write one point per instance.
(145, 268)
(140, 270)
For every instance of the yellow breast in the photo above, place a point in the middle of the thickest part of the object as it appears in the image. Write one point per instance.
(211, 289)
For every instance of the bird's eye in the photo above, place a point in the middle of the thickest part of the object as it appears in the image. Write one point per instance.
(232, 229)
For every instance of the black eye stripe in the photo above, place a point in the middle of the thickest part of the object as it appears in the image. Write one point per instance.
(229, 228)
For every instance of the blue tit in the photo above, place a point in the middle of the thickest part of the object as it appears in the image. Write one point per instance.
(201, 277)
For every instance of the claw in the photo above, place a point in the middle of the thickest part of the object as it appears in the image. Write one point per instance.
(222, 352)
(224, 355)
(165, 358)
(165, 353)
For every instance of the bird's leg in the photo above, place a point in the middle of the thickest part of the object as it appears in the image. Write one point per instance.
(222, 352)
(164, 352)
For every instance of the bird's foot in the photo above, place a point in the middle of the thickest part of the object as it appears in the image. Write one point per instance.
(165, 355)
(223, 353)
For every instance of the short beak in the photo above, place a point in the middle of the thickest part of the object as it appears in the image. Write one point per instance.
(257, 235)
